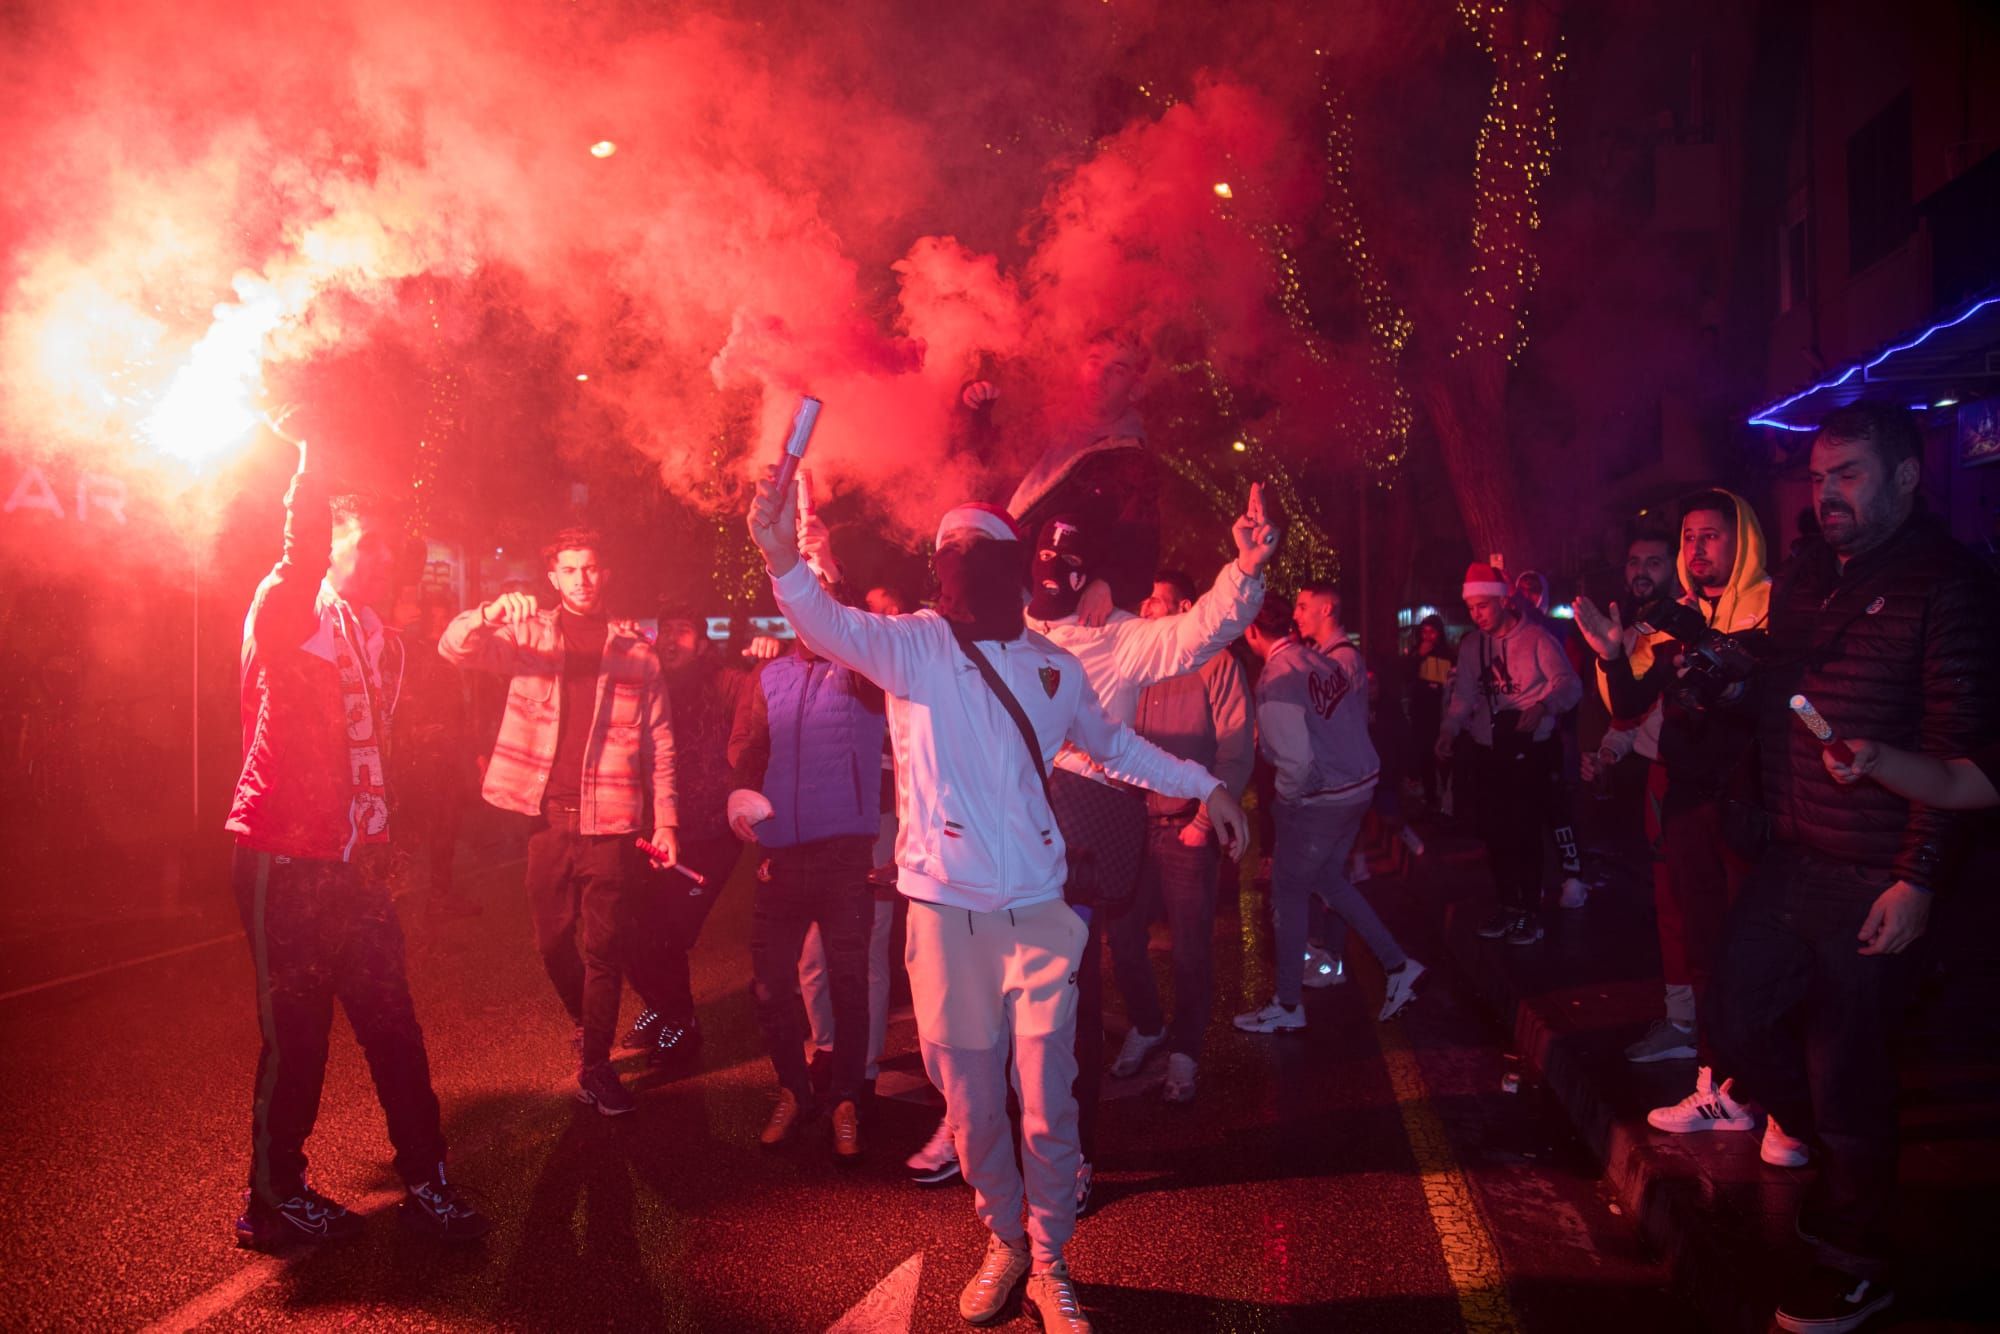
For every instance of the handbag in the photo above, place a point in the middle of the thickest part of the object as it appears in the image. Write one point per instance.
(1080, 885)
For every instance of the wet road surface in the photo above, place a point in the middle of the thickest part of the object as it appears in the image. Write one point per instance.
(1356, 1176)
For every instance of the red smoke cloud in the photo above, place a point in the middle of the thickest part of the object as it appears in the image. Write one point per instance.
(214, 196)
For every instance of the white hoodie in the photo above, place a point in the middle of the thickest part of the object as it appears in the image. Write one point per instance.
(974, 826)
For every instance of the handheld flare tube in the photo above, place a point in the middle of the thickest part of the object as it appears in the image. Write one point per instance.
(803, 422)
(1822, 729)
(659, 858)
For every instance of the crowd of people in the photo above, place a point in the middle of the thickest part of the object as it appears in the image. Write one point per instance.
(1052, 757)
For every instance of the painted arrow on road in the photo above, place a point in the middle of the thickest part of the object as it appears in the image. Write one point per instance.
(889, 1305)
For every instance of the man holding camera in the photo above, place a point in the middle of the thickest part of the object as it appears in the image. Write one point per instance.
(1886, 625)
(1705, 733)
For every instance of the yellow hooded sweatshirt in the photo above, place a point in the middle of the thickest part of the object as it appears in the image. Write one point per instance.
(1745, 603)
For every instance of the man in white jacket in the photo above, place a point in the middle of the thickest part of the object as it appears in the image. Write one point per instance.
(992, 948)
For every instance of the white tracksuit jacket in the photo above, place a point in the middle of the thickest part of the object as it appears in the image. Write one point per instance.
(974, 827)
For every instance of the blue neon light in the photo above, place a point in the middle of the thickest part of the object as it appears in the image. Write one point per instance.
(1768, 416)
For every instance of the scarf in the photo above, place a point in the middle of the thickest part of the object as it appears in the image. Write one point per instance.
(360, 690)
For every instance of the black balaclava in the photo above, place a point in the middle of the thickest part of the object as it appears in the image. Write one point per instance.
(1062, 568)
(980, 585)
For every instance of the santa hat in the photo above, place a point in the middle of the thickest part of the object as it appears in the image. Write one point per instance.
(989, 521)
(1483, 581)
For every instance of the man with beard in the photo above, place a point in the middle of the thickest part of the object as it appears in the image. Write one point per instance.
(673, 910)
(587, 738)
(978, 706)
(1887, 627)
(1702, 745)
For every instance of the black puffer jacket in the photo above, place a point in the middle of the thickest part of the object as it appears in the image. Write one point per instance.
(1903, 647)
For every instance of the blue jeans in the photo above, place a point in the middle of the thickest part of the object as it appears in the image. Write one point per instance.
(1179, 882)
(1311, 858)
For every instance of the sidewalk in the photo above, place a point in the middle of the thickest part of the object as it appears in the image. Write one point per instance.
(1715, 1212)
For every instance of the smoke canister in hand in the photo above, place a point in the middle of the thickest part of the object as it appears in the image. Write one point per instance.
(1822, 729)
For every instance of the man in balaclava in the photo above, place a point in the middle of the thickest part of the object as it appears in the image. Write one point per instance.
(977, 709)
(1120, 659)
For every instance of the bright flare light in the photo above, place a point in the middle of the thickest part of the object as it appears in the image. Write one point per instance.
(210, 406)
(1222, 190)
(603, 148)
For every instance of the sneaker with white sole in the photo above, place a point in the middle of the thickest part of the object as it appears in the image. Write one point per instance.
(1138, 1046)
(1826, 1301)
(983, 1298)
(1180, 1078)
(1779, 1149)
(1664, 1041)
(1527, 929)
(1053, 1297)
(937, 1162)
(599, 1086)
(1085, 1179)
(1273, 1018)
(1402, 989)
(1574, 893)
(1707, 1108)
(1323, 969)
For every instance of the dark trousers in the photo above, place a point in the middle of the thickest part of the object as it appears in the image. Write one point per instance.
(825, 881)
(1177, 882)
(322, 931)
(433, 801)
(1426, 715)
(1807, 1025)
(576, 895)
(1508, 794)
(669, 917)
(1701, 878)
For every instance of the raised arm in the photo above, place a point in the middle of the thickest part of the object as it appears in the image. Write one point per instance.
(283, 610)
(1149, 651)
(484, 639)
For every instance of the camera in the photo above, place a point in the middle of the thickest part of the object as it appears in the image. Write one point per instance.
(1712, 662)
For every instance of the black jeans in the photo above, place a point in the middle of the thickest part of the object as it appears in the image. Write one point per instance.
(825, 881)
(669, 916)
(576, 895)
(1807, 1025)
(322, 931)
(1509, 794)
(1178, 882)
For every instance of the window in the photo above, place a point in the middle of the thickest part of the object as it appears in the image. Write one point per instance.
(1880, 216)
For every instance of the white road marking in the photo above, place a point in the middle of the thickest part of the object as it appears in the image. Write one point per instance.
(889, 1305)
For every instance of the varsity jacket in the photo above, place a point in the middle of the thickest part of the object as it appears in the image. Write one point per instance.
(630, 751)
(1312, 725)
(974, 826)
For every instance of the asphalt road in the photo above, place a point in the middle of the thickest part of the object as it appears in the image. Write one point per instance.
(1357, 1176)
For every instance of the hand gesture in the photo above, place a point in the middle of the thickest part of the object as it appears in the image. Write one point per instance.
(815, 539)
(1194, 834)
(774, 523)
(978, 393)
(1094, 607)
(1897, 921)
(1867, 754)
(1603, 631)
(1587, 763)
(509, 609)
(1232, 827)
(763, 648)
(1256, 537)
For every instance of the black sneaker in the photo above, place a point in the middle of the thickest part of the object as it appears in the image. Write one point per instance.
(1527, 929)
(307, 1218)
(1826, 1301)
(1499, 924)
(599, 1086)
(439, 1210)
(675, 1046)
(640, 1037)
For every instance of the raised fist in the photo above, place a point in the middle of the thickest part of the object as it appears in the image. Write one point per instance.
(509, 609)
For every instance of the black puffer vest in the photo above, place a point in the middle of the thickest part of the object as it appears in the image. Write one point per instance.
(1902, 647)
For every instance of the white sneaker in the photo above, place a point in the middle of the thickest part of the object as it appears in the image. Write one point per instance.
(1053, 1298)
(1000, 1272)
(1273, 1018)
(1402, 989)
(1322, 969)
(1574, 893)
(1707, 1108)
(1138, 1046)
(1781, 1150)
(937, 1161)
(1180, 1078)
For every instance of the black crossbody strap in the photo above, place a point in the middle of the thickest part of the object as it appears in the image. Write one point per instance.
(1007, 701)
